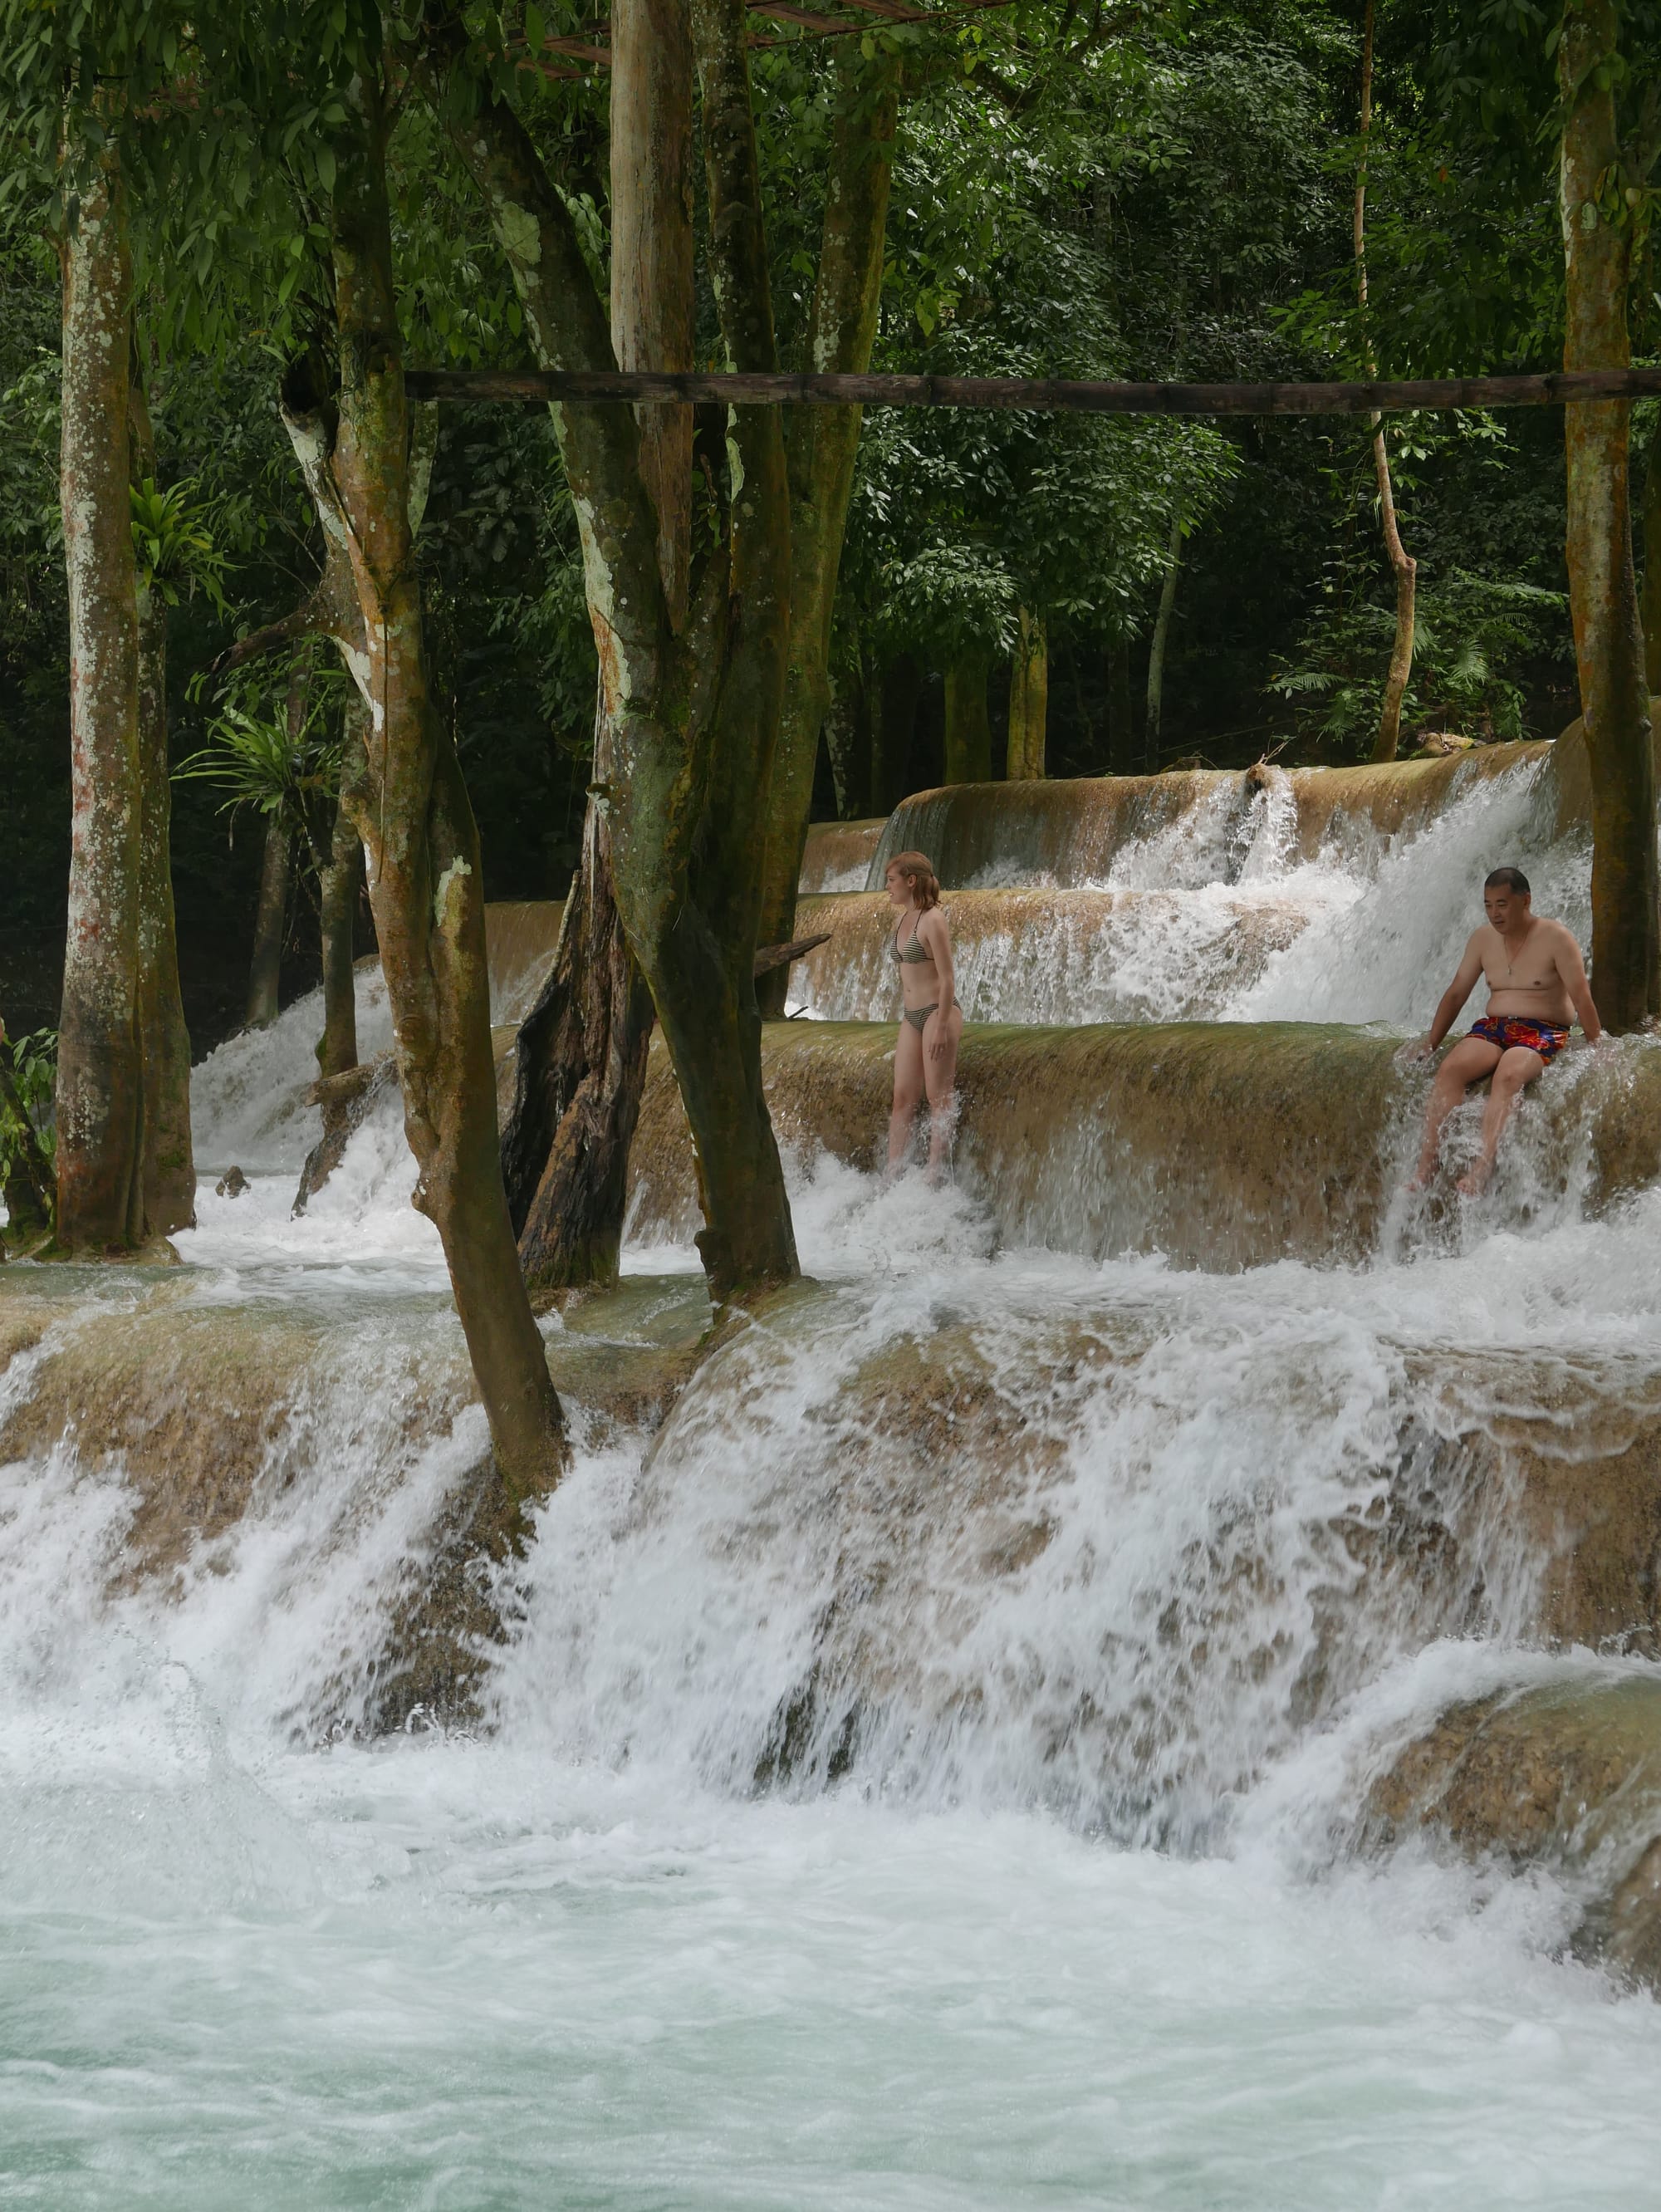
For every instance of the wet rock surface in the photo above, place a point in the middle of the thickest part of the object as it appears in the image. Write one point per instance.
(1567, 1778)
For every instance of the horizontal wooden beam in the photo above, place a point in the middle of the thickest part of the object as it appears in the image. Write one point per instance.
(811, 22)
(1042, 395)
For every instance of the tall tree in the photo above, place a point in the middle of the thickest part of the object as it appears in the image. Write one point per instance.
(824, 445)
(355, 436)
(1403, 565)
(1595, 181)
(689, 715)
(1029, 700)
(581, 1054)
(100, 1198)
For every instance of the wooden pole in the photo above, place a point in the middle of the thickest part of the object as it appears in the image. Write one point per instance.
(1045, 395)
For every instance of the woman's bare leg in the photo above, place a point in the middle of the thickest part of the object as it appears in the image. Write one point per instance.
(1470, 1061)
(907, 1093)
(940, 1079)
(1518, 1067)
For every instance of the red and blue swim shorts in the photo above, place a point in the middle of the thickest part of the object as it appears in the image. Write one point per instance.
(1546, 1038)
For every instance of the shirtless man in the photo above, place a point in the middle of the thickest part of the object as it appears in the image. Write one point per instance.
(1536, 984)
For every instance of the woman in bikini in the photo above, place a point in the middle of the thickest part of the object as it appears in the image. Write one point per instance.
(926, 1058)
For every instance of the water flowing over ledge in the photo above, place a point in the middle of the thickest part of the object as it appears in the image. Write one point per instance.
(1218, 1146)
(1071, 831)
(1165, 1480)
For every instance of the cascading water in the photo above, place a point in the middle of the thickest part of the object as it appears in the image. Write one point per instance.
(955, 1760)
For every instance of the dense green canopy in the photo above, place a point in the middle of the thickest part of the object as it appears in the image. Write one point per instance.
(1077, 191)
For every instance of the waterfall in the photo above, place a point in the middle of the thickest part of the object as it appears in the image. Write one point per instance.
(1160, 1608)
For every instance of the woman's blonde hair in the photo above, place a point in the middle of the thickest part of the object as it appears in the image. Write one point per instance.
(917, 869)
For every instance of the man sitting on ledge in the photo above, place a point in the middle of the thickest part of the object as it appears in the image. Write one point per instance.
(1536, 984)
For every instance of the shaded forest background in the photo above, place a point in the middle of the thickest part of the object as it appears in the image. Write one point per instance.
(1176, 202)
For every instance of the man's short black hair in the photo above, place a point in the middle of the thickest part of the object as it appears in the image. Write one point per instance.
(1507, 879)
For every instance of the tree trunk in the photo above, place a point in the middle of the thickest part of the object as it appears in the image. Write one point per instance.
(581, 1074)
(337, 903)
(100, 1204)
(580, 1058)
(691, 718)
(1121, 727)
(1029, 700)
(1152, 726)
(847, 734)
(652, 305)
(409, 805)
(893, 724)
(1609, 642)
(1405, 571)
(168, 1165)
(968, 727)
(264, 968)
(1650, 606)
(824, 445)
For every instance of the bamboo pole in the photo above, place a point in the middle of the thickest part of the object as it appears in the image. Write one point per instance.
(1044, 395)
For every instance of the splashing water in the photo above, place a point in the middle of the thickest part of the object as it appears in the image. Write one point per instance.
(927, 1773)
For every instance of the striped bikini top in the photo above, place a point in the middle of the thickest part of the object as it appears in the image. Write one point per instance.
(915, 948)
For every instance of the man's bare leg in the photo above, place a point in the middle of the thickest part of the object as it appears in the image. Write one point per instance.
(1517, 1067)
(1470, 1059)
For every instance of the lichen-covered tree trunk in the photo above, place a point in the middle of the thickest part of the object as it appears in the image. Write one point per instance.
(652, 291)
(691, 717)
(100, 1108)
(167, 1163)
(968, 726)
(1609, 642)
(824, 444)
(581, 1054)
(1649, 603)
(1029, 700)
(409, 805)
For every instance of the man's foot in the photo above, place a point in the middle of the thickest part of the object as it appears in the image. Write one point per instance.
(1417, 1183)
(1475, 1180)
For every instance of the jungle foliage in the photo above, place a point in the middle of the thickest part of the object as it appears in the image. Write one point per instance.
(1076, 191)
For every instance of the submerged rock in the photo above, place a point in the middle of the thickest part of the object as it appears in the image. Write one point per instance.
(1566, 1777)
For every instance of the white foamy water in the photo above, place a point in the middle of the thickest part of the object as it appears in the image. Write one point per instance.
(924, 1775)
(580, 1960)
(1219, 917)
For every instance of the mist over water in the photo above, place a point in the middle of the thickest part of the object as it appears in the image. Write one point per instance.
(935, 1769)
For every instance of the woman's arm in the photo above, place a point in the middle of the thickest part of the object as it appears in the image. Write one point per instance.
(937, 937)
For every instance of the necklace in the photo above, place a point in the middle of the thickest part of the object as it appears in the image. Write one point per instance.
(1521, 942)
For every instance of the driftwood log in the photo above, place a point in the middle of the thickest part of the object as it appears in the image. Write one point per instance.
(346, 1101)
(769, 957)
